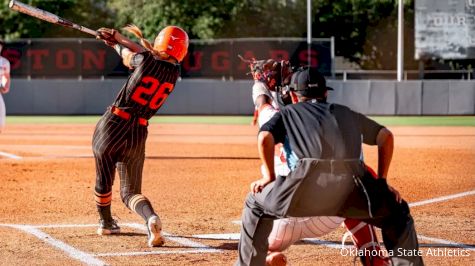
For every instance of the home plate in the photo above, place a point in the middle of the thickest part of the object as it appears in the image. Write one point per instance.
(219, 236)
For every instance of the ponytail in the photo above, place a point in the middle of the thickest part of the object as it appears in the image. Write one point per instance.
(144, 42)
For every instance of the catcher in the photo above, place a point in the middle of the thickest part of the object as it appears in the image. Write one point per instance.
(119, 138)
(287, 231)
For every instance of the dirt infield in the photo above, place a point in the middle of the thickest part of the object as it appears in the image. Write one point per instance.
(197, 177)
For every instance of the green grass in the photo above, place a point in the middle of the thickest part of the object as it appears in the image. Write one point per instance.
(52, 119)
(245, 120)
(235, 120)
(239, 120)
(465, 121)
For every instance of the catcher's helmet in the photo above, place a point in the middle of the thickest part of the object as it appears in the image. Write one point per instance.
(173, 41)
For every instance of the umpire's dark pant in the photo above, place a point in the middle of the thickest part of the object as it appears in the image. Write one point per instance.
(327, 188)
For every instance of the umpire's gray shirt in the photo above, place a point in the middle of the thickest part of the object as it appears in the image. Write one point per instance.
(321, 130)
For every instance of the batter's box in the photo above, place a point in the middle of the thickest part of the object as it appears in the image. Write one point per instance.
(80, 242)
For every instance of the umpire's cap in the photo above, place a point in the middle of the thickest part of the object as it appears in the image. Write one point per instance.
(309, 82)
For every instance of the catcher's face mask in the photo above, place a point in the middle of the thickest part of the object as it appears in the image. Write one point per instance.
(272, 73)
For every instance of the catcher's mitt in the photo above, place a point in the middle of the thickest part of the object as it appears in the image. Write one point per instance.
(262, 70)
(107, 35)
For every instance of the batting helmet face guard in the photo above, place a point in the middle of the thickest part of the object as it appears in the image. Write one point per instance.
(173, 41)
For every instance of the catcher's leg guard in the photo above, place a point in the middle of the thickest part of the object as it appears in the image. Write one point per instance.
(365, 239)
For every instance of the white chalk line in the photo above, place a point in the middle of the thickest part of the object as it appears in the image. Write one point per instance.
(443, 198)
(232, 236)
(72, 252)
(63, 225)
(446, 242)
(90, 259)
(329, 244)
(181, 240)
(158, 252)
(50, 147)
(10, 156)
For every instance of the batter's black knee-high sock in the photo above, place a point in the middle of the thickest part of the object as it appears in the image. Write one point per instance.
(105, 212)
(141, 205)
(103, 203)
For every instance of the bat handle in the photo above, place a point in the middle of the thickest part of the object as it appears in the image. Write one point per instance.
(92, 32)
(67, 23)
(89, 31)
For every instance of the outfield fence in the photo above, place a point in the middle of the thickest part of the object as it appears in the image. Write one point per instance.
(215, 97)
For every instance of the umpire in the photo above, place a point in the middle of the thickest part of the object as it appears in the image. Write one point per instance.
(328, 177)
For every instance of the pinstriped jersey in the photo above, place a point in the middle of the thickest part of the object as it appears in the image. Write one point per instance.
(148, 86)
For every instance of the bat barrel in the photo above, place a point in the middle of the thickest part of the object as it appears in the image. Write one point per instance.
(47, 16)
(11, 4)
(33, 11)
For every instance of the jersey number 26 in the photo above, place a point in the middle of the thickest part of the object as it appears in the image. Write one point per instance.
(151, 86)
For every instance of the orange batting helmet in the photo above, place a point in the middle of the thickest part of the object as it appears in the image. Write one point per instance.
(173, 41)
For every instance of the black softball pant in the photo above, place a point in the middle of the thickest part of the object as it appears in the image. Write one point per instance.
(119, 144)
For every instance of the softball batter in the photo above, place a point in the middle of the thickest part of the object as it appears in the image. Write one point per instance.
(119, 138)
